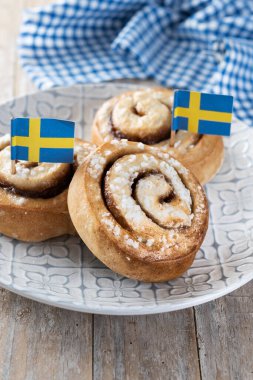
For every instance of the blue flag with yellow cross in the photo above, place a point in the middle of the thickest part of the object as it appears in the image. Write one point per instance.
(42, 140)
(202, 113)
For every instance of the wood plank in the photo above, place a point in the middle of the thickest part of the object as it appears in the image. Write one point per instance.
(8, 32)
(151, 347)
(42, 342)
(22, 84)
(225, 336)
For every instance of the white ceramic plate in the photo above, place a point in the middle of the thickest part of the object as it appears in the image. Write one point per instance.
(64, 273)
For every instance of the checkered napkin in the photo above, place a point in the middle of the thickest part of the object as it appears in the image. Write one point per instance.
(203, 45)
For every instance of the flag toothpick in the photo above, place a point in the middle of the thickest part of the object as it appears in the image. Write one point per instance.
(13, 166)
(41, 140)
(202, 113)
(172, 138)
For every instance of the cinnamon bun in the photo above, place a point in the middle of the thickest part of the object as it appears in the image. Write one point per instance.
(145, 116)
(140, 211)
(33, 202)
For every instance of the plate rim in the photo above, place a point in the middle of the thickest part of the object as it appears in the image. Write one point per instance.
(134, 310)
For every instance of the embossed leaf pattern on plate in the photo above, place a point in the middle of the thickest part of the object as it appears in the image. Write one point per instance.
(64, 273)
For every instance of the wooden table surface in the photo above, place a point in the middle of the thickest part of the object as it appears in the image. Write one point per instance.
(38, 342)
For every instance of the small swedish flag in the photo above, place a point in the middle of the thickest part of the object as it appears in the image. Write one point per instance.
(202, 113)
(42, 140)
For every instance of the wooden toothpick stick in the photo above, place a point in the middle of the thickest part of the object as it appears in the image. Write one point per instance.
(172, 138)
(13, 166)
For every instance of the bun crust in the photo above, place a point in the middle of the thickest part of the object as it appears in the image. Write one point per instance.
(141, 212)
(33, 202)
(145, 116)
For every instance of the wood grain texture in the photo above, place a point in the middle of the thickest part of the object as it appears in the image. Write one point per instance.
(158, 347)
(225, 336)
(42, 342)
(8, 33)
(22, 85)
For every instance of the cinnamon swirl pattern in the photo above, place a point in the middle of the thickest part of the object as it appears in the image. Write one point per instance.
(145, 116)
(138, 210)
(33, 201)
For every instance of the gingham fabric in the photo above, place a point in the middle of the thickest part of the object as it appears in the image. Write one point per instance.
(203, 45)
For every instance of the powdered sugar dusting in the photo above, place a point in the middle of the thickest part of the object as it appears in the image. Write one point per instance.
(178, 185)
(19, 200)
(95, 167)
(150, 242)
(137, 198)
(132, 243)
(180, 168)
(111, 224)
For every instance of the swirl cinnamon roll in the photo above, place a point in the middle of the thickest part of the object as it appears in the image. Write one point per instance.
(33, 202)
(141, 212)
(145, 116)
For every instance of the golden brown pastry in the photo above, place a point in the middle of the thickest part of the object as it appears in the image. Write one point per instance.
(145, 116)
(33, 202)
(141, 212)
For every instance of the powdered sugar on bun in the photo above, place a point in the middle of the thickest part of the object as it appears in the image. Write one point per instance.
(132, 203)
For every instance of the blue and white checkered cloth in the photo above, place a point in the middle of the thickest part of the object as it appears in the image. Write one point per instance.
(203, 45)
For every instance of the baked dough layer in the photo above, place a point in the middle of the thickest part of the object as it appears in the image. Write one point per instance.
(141, 212)
(145, 116)
(36, 217)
